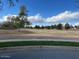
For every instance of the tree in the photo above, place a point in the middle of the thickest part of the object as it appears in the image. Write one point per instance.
(16, 21)
(55, 26)
(67, 26)
(7, 25)
(51, 27)
(10, 3)
(77, 26)
(59, 26)
(23, 16)
(37, 27)
(42, 27)
(19, 21)
(23, 11)
(10, 23)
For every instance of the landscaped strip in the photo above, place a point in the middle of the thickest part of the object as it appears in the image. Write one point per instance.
(38, 43)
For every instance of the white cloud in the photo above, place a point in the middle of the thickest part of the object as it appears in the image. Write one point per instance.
(4, 18)
(64, 16)
(36, 18)
(77, 23)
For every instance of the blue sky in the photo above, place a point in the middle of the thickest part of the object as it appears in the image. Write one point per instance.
(45, 12)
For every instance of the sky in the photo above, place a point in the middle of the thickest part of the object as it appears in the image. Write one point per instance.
(45, 12)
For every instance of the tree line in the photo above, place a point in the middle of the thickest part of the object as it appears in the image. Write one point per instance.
(59, 26)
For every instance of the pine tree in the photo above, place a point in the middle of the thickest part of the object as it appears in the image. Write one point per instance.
(67, 26)
(59, 26)
(23, 16)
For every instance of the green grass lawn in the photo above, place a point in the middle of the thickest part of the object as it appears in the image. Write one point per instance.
(38, 43)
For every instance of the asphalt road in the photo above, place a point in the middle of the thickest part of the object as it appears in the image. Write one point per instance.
(40, 53)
